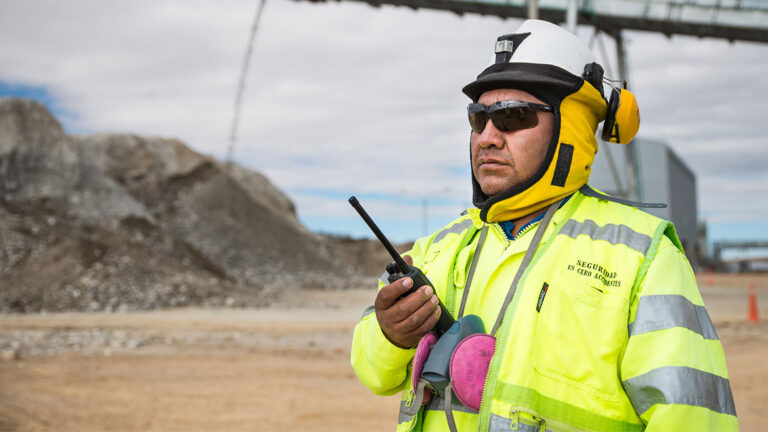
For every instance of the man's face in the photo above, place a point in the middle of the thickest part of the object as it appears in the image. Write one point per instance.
(502, 160)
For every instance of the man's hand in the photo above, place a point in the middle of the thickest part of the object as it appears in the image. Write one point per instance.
(405, 321)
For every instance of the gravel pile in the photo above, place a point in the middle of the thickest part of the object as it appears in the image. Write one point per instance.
(122, 222)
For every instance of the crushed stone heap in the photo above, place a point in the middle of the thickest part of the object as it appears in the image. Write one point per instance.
(113, 222)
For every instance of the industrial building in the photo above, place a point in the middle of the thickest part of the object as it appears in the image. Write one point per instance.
(660, 176)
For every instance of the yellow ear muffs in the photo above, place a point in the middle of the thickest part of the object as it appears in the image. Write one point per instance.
(622, 120)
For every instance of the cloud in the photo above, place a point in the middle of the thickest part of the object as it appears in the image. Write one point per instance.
(347, 98)
(707, 98)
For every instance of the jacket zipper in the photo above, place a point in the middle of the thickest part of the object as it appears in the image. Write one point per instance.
(500, 232)
(526, 229)
(490, 382)
(490, 386)
(518, 413)
(417, 417)
(530, 417)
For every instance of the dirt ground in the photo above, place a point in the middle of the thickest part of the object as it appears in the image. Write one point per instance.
(285, 367)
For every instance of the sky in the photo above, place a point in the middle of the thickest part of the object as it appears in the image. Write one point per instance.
(346, 99)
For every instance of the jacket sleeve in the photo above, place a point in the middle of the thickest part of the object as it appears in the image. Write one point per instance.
(673, 368)
(380, 365)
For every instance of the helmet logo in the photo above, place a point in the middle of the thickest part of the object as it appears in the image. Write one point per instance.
(507, 45)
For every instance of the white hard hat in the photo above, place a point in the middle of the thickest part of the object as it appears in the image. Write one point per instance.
(538, 54)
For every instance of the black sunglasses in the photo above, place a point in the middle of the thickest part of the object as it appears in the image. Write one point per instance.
(507, 115)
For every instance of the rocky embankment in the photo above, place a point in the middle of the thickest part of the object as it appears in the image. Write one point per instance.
(122, 222)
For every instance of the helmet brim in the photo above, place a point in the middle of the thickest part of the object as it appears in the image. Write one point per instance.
(531, 77)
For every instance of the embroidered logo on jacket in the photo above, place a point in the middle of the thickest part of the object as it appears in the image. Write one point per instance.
(595, 271)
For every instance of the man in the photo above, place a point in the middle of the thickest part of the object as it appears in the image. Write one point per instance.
(598, 321)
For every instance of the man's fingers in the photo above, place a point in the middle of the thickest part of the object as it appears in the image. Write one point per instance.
(402, 319)
(389, 294)
(427, 325)
(417, 318)
(407, 306)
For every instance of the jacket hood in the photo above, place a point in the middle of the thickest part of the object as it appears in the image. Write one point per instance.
(555, 66)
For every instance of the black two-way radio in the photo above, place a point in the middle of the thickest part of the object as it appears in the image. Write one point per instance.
(400, 269)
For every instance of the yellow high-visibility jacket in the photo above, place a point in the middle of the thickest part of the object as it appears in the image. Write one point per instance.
(622, 341)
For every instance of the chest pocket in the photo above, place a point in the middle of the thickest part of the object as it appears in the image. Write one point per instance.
(580, 332)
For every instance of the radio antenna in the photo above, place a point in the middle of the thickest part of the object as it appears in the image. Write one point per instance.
(404, 268)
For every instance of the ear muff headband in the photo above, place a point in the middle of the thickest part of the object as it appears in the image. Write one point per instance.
(610, 133)
(622, 119)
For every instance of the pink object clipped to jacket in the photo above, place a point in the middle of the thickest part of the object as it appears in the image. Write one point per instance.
(469, 367)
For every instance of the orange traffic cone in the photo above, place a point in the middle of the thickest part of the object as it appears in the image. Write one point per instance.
(710, 278)
(752, 314)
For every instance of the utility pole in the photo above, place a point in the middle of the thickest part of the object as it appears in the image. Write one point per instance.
(634, 184)
(533, 9)
(571, 16)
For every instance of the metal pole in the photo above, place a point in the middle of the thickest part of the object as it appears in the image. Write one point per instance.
(571, 16)
(533, 9)
(621, 54)
(634, 182)
(718, 256)
(620, 191)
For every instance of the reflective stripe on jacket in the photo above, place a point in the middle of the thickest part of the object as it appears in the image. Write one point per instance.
(620, 341)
